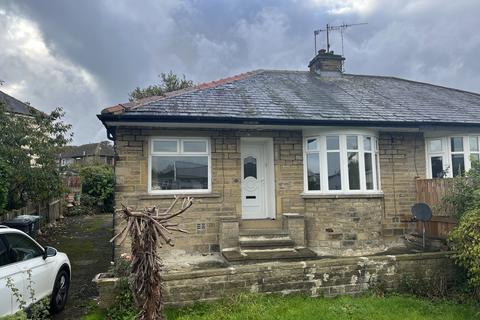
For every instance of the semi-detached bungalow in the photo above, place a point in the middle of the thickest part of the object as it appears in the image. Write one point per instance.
(292, 164)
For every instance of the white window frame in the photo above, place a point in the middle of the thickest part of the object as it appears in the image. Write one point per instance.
(322, 151)
(179, 152)
(446, 153)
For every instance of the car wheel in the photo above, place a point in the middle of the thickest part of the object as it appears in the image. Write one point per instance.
(60, 291)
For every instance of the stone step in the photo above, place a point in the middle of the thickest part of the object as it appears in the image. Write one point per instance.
(263, 232)
(256, 255)
(261, 241)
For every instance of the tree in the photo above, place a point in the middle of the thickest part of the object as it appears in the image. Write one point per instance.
(28, 149)
(148, 230)
(169, 82)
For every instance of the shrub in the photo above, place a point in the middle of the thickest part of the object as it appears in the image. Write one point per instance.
(465, 240)
(464, 194)
(99, 181)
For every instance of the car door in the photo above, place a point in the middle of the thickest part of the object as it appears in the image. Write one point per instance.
(37, 271)
(11, 279)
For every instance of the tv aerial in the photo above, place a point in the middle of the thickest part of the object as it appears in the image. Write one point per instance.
(330, 28)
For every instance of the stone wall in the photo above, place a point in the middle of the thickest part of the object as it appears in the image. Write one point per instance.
(340, 225)
(333, 225)
(326, 277)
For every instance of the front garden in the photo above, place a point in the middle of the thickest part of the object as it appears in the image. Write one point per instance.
(265, 307)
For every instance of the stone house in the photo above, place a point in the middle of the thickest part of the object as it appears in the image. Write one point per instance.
(90, 153)
(292, 164)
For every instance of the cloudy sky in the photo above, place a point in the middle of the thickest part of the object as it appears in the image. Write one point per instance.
(87, 55)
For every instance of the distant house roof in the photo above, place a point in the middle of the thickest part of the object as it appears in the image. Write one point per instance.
(103, 148)
(16, 106)
(302, 97)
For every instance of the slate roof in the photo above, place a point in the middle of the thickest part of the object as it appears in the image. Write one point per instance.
(103, 148)
(16, 106)
(288, 97)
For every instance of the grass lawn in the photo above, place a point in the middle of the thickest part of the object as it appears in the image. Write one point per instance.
(263, 307)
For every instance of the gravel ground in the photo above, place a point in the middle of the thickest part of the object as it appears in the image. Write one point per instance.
(85, 239)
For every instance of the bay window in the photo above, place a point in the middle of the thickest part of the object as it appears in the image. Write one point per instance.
(179, 165)
(451, 156)
(341, 163)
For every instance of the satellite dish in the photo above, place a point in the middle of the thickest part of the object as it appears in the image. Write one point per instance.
(422, 211)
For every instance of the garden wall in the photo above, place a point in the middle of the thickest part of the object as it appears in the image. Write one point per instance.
(326, 277)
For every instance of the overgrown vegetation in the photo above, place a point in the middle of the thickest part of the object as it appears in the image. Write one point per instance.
(464, 200)
(169, 82)
(98, 186)
(31, 310)
(293, 307)
(28, 148)
(465, 240)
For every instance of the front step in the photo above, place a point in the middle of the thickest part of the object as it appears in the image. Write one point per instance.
(266, 245)
(257, 255)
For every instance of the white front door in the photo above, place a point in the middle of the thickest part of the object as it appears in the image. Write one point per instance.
(257, 179)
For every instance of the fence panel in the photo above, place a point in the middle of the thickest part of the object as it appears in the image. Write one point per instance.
(432, 191)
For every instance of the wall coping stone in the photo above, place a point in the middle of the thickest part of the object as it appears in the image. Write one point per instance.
(270, 266)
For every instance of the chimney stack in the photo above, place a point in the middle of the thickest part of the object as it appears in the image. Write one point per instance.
(327, 64)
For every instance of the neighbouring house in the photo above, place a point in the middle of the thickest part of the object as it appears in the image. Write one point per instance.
(17, 107)
(292, 164)
(98, 152)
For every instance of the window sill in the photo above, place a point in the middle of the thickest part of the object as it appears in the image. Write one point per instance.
(150, 196)
(341, 196)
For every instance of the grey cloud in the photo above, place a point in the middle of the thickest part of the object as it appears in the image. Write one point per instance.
(123, 44)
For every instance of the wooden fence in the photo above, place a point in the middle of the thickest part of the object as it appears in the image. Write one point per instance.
(432, 191)
(49, 211)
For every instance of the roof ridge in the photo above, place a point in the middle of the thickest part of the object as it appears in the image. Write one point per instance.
(121, 107)
(412, 81)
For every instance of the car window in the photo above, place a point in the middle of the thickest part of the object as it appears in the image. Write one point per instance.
(22, 248)
(4, 258)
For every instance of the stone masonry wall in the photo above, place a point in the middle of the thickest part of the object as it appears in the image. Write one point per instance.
(339, 226)
(326, 277)
(225, 198)
(402, 160)
(334, 225)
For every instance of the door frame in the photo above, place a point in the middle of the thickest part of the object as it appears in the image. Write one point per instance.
(269, 175)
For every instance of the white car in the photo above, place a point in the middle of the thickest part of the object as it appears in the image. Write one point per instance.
(27, 265)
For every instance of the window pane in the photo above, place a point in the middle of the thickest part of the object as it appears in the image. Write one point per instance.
(333, 143)
(352, 142)
(437, 167)
(312, 144)
(194, 146)
(164, 146)
(474, 156)
(457, 144)
(435, 145)
(249, 167)
(369, 171)
(334, 172)
(377, 167)
(22, 248)
(458, 165)
(473, 143)
(178, 173)
(367, 143)
(353, 171)
(313, 171)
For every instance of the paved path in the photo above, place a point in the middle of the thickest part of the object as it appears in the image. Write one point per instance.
(85, 240)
